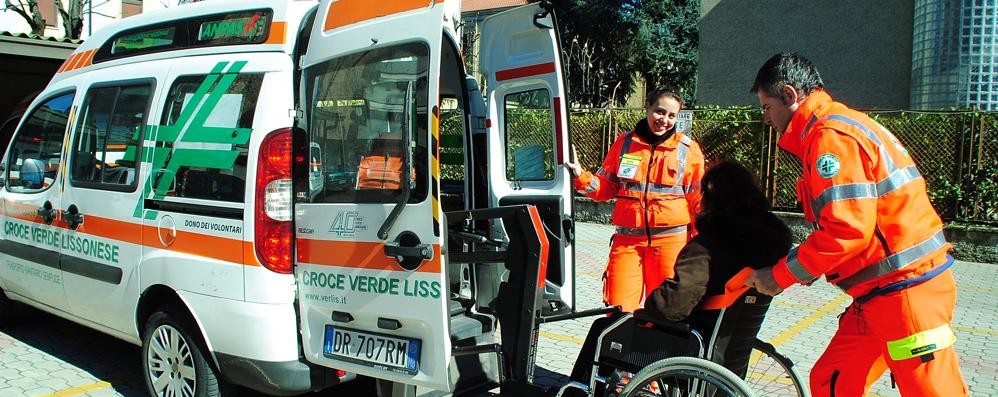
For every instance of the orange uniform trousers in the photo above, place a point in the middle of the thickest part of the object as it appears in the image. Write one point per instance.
(635, 267)
(857, 355)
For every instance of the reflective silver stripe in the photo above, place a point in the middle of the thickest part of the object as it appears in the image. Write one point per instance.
(664, 189)
(639, 187)
(807, 127)
(655, 231)
(681, 156)
(857, 124)
(897, 179)
(633, 187)
(892, 182)
(685, 140)
(625, 148)
(593, 186)
(797, 269)
(888, 160)
(894, 262)
(843, 192)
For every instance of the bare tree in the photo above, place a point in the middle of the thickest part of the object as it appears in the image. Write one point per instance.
(28, 9)
(72, 16)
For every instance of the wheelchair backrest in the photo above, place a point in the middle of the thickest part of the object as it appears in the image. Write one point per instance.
(631, 344)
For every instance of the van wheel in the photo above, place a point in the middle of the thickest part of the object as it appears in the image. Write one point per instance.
(6, 310)
(174, 359)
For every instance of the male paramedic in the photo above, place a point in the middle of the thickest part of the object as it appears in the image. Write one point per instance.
(876, 237)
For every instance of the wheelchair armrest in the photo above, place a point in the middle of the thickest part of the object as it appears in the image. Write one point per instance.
(648, 318)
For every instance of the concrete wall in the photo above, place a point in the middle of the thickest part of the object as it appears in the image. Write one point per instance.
(862, 48)
(970, 243)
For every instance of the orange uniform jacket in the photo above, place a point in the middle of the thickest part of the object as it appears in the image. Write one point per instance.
(657, 192)
(874, 224)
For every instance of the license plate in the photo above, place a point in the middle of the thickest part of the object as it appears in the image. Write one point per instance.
(388, 352)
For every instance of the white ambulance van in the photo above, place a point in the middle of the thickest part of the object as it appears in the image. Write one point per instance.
(147, 195)
(451, 215)
(281, 194)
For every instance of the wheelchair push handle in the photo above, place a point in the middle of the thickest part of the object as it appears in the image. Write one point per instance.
(737, 282)
(733, 289)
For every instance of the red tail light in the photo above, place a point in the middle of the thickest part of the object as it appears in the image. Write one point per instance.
(273, 224)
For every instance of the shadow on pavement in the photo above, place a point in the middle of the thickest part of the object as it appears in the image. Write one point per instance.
(93, 355)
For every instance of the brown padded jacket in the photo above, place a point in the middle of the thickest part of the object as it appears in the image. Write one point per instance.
(723, 247)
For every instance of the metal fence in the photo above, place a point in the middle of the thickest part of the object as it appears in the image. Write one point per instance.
(957, 152)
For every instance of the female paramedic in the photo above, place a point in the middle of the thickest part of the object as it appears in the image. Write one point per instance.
(654, 174)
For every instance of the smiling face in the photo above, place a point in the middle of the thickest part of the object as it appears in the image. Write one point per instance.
(662, 114)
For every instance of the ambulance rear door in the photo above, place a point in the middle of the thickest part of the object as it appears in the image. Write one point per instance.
(371, 284)
(528, 133)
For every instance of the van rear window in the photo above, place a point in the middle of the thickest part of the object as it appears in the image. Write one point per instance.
(234, 28)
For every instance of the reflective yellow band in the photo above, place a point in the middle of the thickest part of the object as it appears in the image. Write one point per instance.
(922, 343)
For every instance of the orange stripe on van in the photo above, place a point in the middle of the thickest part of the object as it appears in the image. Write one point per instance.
(68, 65)
(345, 12)
(109, 228)
(357, 255)
(525, 71)
(77, 61)
(221, 248)
(90, 58)
(64, 64)
(249, 254)
(277, 31)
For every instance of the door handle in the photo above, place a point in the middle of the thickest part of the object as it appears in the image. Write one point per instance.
(400, 253)
(73, 216)
(407, 250)
(47, 212)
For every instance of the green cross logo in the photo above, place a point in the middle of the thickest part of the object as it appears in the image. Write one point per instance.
(165, 158)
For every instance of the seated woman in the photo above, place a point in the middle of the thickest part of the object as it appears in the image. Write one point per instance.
(736, 230)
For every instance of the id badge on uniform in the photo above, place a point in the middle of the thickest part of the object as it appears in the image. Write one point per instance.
(628, 166)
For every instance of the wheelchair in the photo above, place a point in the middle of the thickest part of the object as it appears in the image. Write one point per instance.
(673, 359)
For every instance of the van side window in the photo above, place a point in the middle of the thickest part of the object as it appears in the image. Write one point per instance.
(112, 121)
(35, 154)
(529, 137)
(211, 112)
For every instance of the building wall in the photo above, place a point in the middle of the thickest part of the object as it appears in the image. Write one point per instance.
(862, 48)
(955, 55)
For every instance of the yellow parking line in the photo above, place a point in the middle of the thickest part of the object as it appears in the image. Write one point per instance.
(72, 391)
(791, 305)
(972, 330)
(809, 320)
(557, 336)
(964, 288)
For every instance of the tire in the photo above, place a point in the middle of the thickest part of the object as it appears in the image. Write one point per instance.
(174, 360)
(772, 374)
(686, 376)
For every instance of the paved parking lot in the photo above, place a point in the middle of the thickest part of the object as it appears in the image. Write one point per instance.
(47, 356)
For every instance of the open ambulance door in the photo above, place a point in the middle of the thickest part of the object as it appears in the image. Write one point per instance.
(371, 278)
(528, 134)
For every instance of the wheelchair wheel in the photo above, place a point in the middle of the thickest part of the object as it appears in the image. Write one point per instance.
(772, 374)
(686, 377)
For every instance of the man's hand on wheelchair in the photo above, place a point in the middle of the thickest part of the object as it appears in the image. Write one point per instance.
(763, 281)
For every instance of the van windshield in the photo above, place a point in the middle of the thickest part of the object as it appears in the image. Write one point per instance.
(359, 108)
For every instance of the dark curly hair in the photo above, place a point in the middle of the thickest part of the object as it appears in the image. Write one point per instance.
(730, 190)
